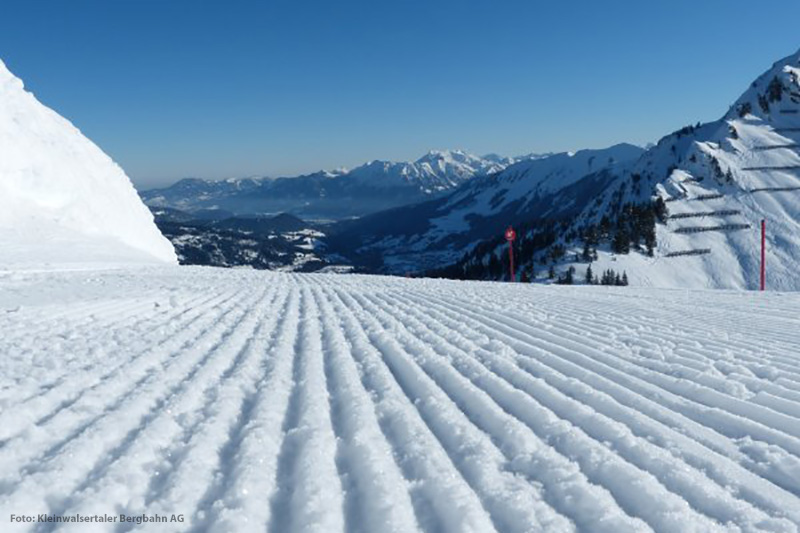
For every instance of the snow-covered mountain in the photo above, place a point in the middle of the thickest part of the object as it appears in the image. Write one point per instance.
(334, 194)
(717, 181)
(62, 200)
(434, 233)
(434, 172)
(720, 180)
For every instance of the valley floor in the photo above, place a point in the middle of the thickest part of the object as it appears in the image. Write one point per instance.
(255, 401)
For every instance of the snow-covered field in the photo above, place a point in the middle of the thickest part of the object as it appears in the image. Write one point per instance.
(252, 401)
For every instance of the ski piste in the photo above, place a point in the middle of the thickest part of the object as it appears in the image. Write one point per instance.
(252, 401)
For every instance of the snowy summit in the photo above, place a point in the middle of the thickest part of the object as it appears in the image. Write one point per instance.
(62, 200)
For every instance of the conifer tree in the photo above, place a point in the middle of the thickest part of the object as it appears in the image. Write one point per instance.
(570, 279)
(494, 267)
(621, 243)
(587, 251)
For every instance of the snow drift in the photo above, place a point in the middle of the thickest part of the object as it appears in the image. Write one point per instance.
(62, 200)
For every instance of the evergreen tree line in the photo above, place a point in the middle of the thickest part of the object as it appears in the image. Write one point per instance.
(530, 241)
(609, 277)
(634, 227)
(627, 227)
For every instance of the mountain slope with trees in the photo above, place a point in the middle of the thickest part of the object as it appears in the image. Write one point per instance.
(688, 212)
(436, 233)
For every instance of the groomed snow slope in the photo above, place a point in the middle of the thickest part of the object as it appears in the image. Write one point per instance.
(251, 401)
(62, 200)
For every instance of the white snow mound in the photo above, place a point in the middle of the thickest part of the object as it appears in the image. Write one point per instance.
(62, 200)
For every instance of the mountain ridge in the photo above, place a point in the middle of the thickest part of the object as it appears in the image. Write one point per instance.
(371, 187)
(712, 183)
(442, 229)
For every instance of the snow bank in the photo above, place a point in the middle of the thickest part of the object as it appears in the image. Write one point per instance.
(62, 200)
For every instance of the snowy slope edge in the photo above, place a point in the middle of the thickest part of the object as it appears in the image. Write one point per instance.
(62, 199)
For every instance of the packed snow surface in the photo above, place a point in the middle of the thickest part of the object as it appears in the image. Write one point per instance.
(253, 401)
(62, 200)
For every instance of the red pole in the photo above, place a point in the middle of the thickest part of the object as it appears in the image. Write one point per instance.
(511, 261)
(763, 255)
(510, 236)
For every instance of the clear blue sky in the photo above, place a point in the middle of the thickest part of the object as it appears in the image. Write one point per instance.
(175, 88)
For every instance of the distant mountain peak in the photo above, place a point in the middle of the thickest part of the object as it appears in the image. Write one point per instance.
(376, 184)
(446, 154)
(772, 93)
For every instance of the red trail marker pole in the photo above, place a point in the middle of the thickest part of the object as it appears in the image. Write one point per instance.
(510, 236)
(763, 254)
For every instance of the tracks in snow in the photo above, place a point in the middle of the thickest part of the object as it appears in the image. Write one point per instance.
(253, 401)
